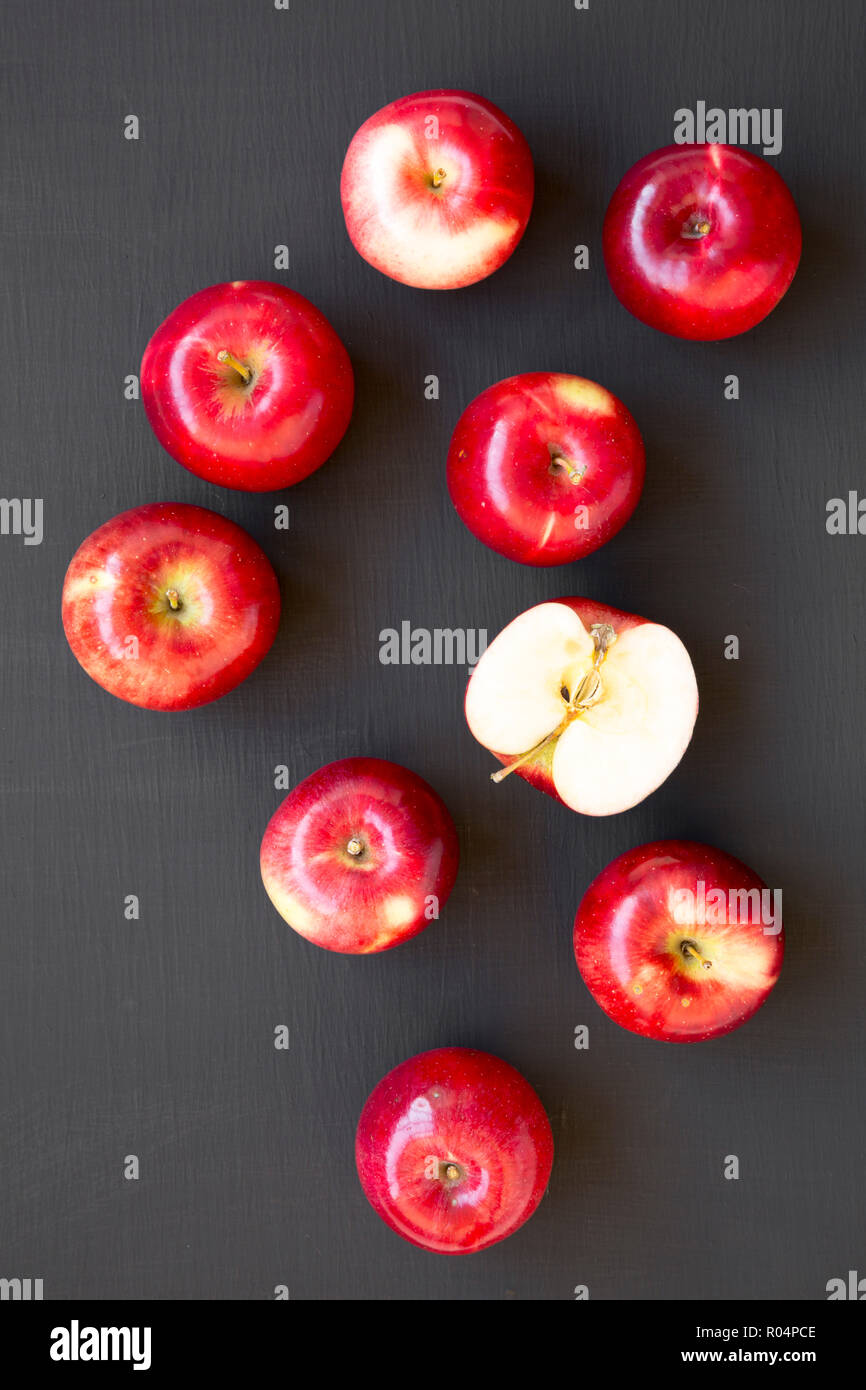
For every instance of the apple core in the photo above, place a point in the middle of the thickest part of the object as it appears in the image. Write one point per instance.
(590, 704)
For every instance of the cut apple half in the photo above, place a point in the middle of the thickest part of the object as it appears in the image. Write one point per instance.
(593, 705)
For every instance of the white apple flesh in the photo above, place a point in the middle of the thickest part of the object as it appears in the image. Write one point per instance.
(591, 704)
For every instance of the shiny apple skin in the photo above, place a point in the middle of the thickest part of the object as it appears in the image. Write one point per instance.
(271, 433)
(464, 1106)
(378, 899)
(622, 944)
(717, 285)
(115, 589)
(445, 238)
(504, 484)
(539, 774)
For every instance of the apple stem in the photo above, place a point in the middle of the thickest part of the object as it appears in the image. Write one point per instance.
(243, 371)
(355, 847)
(689, 948)
(451, 1171)
(438, 177)
(559, 464)
(173, 599)
(604, 636)
(696, 226)
(528, 756)
(587, 693)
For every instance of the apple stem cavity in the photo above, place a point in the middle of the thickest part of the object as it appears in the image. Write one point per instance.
(603, 636)
(691, 952)
(243, 371)
(588, 693)
(696, 227)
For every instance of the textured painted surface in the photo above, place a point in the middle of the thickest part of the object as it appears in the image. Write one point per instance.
(155, 1037)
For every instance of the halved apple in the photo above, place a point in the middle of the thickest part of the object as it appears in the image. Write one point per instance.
(590, 704)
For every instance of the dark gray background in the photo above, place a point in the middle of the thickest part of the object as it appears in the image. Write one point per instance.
(156, 1037)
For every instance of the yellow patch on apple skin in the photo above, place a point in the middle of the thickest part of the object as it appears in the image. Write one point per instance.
(736, 962)
(584, 395)
(191, 604)
(294, 912)
(88, 585)
(398, 910)
(382, 942)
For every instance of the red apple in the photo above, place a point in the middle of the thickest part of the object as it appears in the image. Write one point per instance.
(679, 941)
(170, 606)
(545, 468)
(701, 241)
(437, 189)
(360, 856)
(592, 705)
(454, 1150)
(248, 386)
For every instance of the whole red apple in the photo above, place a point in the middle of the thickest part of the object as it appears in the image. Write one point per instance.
(590, 704)
(170, 606)
(248, 386)
(360, 856)
(545, 468)
(454, 1150)
(701, 241)
(679, 941)
(437, 189)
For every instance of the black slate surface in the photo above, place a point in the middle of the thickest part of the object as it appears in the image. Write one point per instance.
(155, 1037)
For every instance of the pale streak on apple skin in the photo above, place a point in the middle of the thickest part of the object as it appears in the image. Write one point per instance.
(545, 535)
(413, 240)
